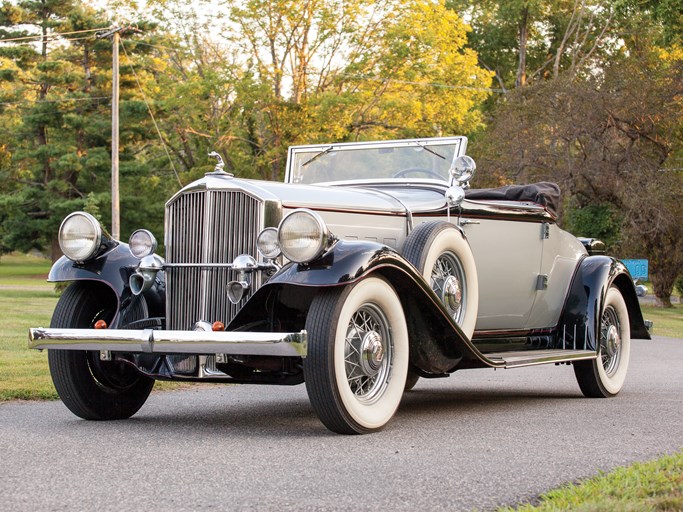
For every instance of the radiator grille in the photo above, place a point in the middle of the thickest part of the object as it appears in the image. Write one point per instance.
(205, 227)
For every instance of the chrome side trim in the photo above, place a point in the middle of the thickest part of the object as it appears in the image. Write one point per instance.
(283, 344)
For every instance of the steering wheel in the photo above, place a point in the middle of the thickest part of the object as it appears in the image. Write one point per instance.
(428, 172)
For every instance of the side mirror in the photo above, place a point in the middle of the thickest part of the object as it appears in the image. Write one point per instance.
(462, 171)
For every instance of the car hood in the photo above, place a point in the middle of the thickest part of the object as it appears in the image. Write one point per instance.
(385, 198)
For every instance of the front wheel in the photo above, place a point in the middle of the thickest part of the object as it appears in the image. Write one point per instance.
(357, 358)
(90, 388)
(604, 377)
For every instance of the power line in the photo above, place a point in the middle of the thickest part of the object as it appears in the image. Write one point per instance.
(60, 100)
(151, 114)
(54, 35)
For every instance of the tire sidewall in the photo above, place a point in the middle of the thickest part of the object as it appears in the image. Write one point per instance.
(612, 385)
(449, 239)
(375, 415)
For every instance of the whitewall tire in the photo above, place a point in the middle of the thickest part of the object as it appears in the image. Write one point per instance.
(357, 358)
(604, 377)
(443, 256)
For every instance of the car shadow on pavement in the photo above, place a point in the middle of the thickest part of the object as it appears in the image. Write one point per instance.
(293, 416)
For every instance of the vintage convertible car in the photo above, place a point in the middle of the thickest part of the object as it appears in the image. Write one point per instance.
(373, 265)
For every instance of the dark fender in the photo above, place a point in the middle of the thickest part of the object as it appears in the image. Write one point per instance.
(112, 268)
(580, 319)
(437, 343)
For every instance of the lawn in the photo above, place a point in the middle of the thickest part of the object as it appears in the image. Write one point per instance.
(667, 322)
(26, 300)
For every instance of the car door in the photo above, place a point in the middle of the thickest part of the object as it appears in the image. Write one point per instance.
(508, 257)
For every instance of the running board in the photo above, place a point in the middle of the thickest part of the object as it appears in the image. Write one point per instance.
(533, 357)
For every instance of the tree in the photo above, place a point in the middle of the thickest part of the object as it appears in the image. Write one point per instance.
(529, 40)
(612, 139)
(57, 125)
(290, 72)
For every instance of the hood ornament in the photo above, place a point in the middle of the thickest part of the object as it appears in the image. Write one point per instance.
(220, 164)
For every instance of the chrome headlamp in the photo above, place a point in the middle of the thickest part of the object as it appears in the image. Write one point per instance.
(267, 243)
(80, 236)
(303, 236)
(142, 243)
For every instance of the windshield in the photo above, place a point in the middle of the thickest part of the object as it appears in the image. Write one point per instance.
(402, 159)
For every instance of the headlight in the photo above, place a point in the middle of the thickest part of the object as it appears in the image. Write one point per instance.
(80, 236)
(303, 236)
(142, 243)
(267, 244)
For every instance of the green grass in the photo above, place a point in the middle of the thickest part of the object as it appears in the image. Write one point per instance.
(667, 322)
(28, 302)
(650, 486)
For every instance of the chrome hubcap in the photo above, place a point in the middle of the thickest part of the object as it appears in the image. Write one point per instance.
(371, 353)
(448, 282)
(610, 341)
(613, 342)
(452, 295)
(367, 353)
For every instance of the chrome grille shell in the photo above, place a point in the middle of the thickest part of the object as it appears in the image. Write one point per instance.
(210, 222)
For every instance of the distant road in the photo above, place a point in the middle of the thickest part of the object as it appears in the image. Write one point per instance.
(475, 440)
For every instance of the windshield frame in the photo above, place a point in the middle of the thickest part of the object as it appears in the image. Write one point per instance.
(316, 150)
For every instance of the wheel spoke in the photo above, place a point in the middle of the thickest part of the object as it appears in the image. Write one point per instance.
(367, 353)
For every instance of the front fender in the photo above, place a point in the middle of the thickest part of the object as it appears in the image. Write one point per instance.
(438, 345)
(112, 268)
(580, 321)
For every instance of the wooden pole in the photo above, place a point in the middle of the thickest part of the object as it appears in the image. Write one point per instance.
(115, 206)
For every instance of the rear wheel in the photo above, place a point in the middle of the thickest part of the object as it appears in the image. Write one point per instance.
(604, 377)
(357, 358)
(443, 256)
(439, 251)
(90, 388)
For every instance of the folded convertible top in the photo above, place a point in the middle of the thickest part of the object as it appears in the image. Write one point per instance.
(545, 193)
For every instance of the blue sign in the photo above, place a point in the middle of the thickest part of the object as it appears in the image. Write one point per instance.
(637, 268)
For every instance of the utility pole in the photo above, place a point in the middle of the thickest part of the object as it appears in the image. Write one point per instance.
(115, 34)
(115, 206)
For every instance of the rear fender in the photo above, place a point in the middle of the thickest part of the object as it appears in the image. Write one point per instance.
(580, 320)
(113, 269)
(437, 344)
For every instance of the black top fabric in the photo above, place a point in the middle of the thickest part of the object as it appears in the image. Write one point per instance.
(545, 193)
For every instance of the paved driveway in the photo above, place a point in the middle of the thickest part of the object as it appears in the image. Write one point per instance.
(475, 440)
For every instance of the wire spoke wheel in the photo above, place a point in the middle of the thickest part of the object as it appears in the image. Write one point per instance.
(357, 361)
(449, 283)
(444, 258)
(368, 352)
(610, 341)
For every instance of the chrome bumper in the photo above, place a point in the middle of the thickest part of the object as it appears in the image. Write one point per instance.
(172, 342)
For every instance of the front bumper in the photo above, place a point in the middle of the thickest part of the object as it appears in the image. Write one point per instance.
(151, 341)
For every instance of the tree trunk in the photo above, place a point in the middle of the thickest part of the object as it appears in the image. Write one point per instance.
(663, 280)
(523, 38)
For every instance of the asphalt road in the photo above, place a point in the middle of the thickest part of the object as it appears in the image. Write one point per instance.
(475, 440)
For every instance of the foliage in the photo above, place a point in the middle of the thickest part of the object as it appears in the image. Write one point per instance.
(525, 41)
(601, 221)
(613, 139)
(56, 124)
(679, 285)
